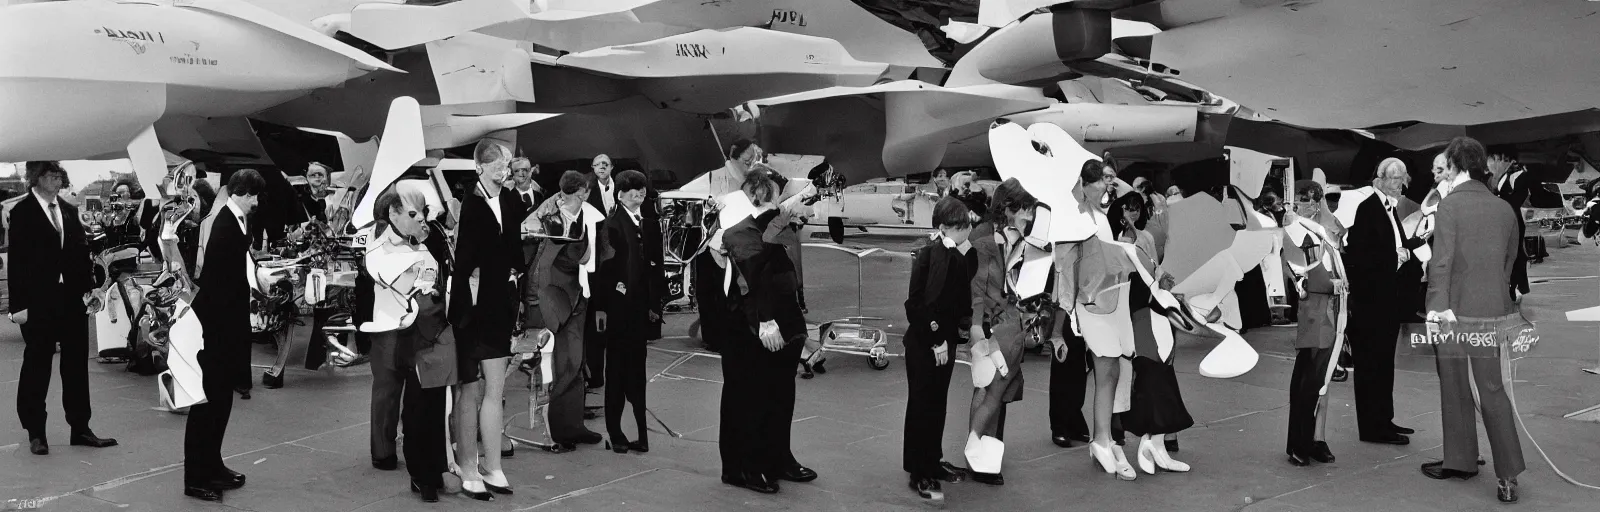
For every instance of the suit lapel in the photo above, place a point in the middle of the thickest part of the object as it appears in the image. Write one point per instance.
(938, 265)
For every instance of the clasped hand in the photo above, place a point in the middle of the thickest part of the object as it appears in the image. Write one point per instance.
(770, 336)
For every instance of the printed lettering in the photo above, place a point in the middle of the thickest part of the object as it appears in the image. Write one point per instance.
(193, 60)
(788, 17)
(691, 50)
(136, 35)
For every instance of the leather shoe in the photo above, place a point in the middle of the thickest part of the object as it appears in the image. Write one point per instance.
(1062, 441)
(641, 446)
(387, 464)
(39, 446)
(229, 475)
(621, 447)
(1508, 491)
(798, 473)
(561, 448)
(753, 481)
(508, 452)
(202, 493)
(1299, 460)
(430, 494)
(1323, 454)
(590, 438)
(951, 473)
(270, 381)
(87, 438)
(1170, 444)
(1392, 438)
(1401, 430)
(925, 487)
(1437, 471)
(244, 393)
(988, 478)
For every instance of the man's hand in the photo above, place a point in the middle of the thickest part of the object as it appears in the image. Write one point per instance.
(1340, 286)
(1403, 254)
(655, 317)
(933, 326)
(20, 317)
(770, 337)
(600, 321)
(941, 354)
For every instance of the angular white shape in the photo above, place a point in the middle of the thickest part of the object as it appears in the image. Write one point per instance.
(402, 146)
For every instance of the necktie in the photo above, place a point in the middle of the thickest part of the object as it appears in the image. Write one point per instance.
(55, 219)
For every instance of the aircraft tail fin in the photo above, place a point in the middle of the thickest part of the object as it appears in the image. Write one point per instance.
(402, 146)
(249, 12)
(448, 130)
(475, 68)
(392, 27)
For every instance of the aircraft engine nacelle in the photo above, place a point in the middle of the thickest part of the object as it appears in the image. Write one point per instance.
(1101, 126)
(82, 79)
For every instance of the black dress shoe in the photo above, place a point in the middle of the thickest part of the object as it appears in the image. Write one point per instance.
(271, 381)
(1401, 430)
(951, 473)
(430, 494)
(508, 452)
(389, 464)
(798, 473)
(244, 393)
(39, 446)
(753, 481)
(223, 484)
(1322, 453)
(480, 496)
(1508, 491)
(1437, 471)
(590, 438)
(989, 478)
(1391, 438)
(231, 476)
(561, 448)
(925, 487)
(1299, 460)
(641, 446)
(202, 493)
(621, 447)
(1170, 444)
(1062, 441)
(87, 438)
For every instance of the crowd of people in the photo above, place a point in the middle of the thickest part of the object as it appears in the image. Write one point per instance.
(580, 267)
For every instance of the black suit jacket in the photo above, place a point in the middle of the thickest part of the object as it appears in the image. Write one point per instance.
(1371, 260)
(523, 249)
(483, 246)
(628, 285)
(223, 302)
(940, 291)
(595, 195)
(766, 286)
(46, 267)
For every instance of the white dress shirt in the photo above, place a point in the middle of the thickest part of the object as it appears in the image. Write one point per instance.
(608, 195)
(249, 260)
(1388, 212)
(52, 214)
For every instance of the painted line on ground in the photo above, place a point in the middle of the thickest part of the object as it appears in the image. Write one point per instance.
(587, 490)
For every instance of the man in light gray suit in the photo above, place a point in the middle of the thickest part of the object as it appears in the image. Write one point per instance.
(1475, 250)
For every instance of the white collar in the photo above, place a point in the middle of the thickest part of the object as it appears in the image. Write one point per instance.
(237, 210)
(606, 185)
(1446, 188)
(1388, 202)
(633, 213)
(43, 200)
(950, 244)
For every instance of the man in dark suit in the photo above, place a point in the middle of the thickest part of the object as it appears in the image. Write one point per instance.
(316, 203)
(562, 307)
(1411, 287)
(50, 288)
(603, 197)
(223, 307)
(1375, 251)
(627, 301)
(1475, 251)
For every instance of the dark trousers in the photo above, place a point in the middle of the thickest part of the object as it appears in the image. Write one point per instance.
(758, 395)
(388, 386)
(625, 373)
(208, 422)
(711, 303)
(424, 423)
(1305, 385)
(567, 393)
(926, 403)
(46, 326)
(1460, 427)
(1372, 350)
(1068, 381)
(594, 352)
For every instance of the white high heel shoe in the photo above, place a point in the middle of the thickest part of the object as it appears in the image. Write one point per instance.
(1146, 456)
(1124, 470)
(1164, 460)
(1107, 459)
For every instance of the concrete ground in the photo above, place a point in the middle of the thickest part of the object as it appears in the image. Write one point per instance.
(304, 446)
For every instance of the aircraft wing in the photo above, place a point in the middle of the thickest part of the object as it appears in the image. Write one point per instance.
(1374, 62)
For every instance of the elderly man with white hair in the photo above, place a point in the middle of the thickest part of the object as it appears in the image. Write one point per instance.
(1376, 251)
